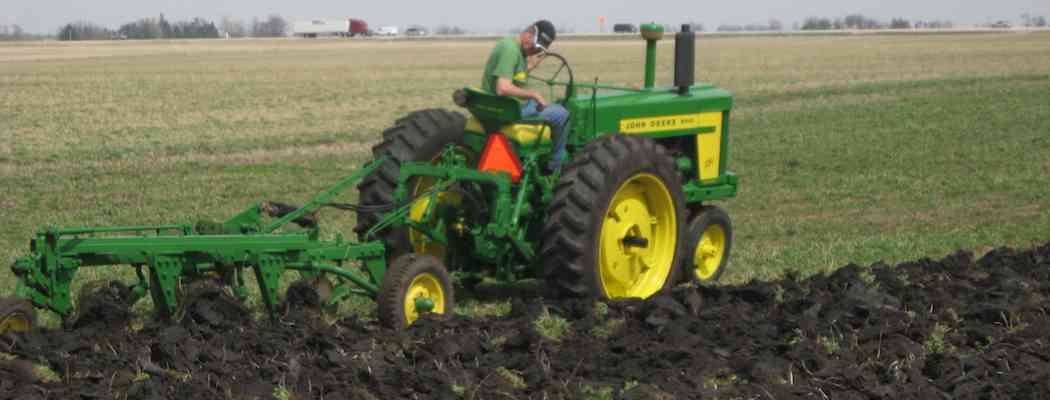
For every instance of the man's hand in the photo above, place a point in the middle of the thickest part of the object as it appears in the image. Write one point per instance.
(541, 103)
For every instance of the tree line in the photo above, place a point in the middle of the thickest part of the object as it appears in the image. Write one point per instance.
(275, 25)
(859, 21)
(160, 28)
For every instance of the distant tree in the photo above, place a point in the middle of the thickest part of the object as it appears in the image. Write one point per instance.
(198, 28)
(83, 31)
(853, 21)
(933, 24)
(449, 30)
(273, 26)
(859, 21)
(773, 25)
(233, 27)
(12, 32)
(160, 28)
(816, 24)
(900, 23)
(145, 28)
(1040, 22)
(164, 27)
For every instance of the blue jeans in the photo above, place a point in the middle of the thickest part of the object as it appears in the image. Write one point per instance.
(557, 116)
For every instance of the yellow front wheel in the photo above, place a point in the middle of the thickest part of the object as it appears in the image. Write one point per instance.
(16, 315)
(710, 238)
(414, 284)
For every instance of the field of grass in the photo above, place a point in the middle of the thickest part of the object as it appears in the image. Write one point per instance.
(850, 149)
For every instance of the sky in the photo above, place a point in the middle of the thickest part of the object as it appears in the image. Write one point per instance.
(480, 16)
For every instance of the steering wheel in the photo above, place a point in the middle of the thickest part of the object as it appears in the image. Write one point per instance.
(548, 78)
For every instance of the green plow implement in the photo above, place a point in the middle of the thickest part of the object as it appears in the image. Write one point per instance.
(162, 255)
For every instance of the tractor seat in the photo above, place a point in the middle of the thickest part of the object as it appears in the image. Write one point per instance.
(492, 113)
(523, 133)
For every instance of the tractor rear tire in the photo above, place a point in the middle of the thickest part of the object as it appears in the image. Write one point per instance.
(16, 315)
(410, 277)
(616, 220)
(417, 137)
(709, 239)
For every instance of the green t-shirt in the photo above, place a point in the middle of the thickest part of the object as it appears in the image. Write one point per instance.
(505, 61)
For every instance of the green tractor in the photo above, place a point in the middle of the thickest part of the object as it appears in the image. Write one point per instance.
(452, 201)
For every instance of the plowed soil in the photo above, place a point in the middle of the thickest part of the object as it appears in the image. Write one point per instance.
(955, 328)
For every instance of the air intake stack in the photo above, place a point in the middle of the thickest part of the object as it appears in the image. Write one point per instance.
(652, 33)
(684, 59)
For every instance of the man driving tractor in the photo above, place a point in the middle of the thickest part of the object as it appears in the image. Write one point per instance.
(507, 69)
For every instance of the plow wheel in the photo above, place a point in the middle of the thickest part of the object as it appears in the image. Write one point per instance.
(710, 237)
(16, 315)
(615, 221)
(418, 137)
(415, 284)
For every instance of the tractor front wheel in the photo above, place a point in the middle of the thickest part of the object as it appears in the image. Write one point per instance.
(16, 315)
(615, 221)
(710, 237)
(413, 285)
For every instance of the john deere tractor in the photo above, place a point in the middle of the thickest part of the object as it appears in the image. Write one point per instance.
(452, 200)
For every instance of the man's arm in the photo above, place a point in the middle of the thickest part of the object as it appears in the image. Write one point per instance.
(504, 87)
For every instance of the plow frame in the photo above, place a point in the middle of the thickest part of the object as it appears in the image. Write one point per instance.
(163, 254)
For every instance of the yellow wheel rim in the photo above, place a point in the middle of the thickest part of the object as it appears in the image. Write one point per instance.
(423, 286)
(709, 252)
(420, 242)
(14, 323)
(637, 238)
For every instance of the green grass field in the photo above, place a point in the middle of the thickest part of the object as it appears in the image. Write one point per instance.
(850, 149)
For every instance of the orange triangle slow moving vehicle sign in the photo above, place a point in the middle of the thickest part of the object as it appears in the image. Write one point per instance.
(499, 156)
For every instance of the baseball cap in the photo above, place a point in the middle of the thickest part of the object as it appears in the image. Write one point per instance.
(545, 34)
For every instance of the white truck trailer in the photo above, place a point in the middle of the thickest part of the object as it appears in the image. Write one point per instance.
(331, 27)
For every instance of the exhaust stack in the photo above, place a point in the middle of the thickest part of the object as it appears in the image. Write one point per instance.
(684, 59)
